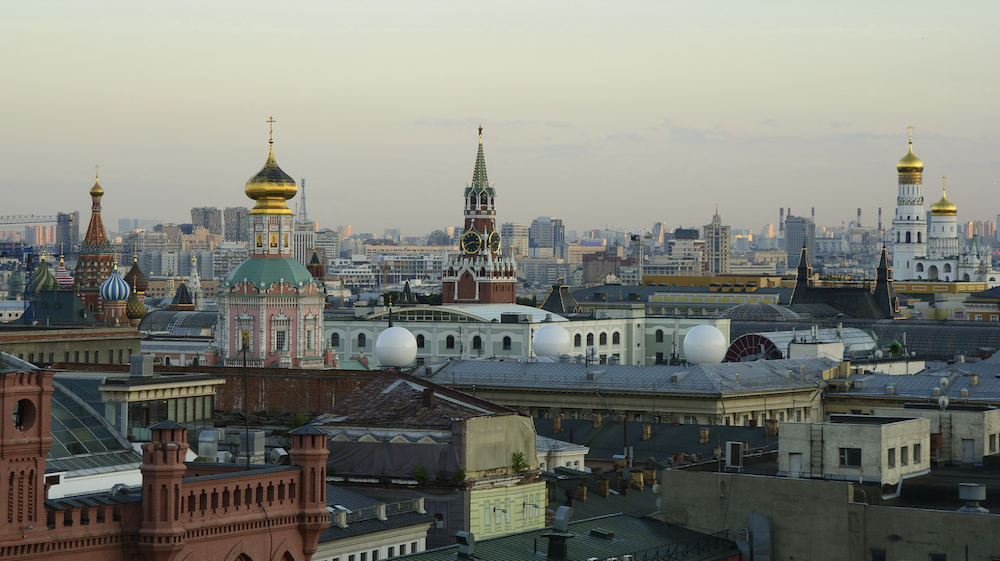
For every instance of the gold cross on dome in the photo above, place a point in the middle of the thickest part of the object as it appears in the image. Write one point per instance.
(270, 132)
(96, 170)
(911, 133)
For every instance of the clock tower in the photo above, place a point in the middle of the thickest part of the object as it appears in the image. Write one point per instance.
(479, 273)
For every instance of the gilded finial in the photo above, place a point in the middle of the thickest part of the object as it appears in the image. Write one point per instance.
(97, 175)
(135, 257)
(944, 183)
(270, 134)
(480, 133)
(62, 250)
(910, 128)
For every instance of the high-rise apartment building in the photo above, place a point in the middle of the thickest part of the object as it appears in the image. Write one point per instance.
(327, 244)
(207, 217)
(515, 238)
(237, 224)
(303, 241)
(68, 229)
(799, 232)
(717, 250)
(548, 233)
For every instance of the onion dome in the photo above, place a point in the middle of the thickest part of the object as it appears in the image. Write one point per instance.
(136, 278)
(43, 279)
(96, 190)
(115, 289)
(944, 207)
(271, 187)
(62, 275)
(134, 309)
(910, 163)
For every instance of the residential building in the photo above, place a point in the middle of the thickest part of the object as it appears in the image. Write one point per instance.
(800, 233)
(209, 218)
(515, 239)
(237, 224)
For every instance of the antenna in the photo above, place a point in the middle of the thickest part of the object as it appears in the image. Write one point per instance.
(302, 217)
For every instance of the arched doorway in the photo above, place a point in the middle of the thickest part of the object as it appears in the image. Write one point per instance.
(932, 272)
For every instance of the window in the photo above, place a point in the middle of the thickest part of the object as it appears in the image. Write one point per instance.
(420, 341)
(364, 556)
(904, 455)
(402, 549)
(891, 458)
(993, 443)
(413, 547)
(604, 339)
(577, 341)
(877, 555)
(335, 340)
(449, 342)
(916, 453)
(477, 343)
(659, 335)
(590, 339)
(374, 555)
(616, 338)
(362, 340)
(506, 343)
(690, 420)
(391, 552)
(850, 457)
(279, 340)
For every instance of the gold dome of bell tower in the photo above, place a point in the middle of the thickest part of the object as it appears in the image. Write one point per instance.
(910, 163)
(944, 207)
(271, 187)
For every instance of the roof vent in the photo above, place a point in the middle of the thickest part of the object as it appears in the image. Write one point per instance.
(466, 545)
(602, 533)
(736, 377)
(889, 390)
(972, 493)
(965, 392)
(140, 366)
(936, 391)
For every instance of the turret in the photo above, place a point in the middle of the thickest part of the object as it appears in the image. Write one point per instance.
(309, 452)
(161, 535)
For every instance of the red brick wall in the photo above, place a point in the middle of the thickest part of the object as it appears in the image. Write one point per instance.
(287, 392)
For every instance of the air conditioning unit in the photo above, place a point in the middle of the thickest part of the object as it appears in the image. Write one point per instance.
(734, 455)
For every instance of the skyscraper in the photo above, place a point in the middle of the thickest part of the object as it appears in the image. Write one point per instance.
(515, 238)
(237, 224)
(717, 248)
(799, 232)
(207, 217)
(546, 232)
(68, 229)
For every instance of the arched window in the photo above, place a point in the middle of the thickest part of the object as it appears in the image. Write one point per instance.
(604, 338)
(477, 343)
(616, 338)
(897, 236)
(947, 267)
(335, 340)
(449, 342)
(920, 267)
(506, 343)
(420, 341)
(659, 335)
(590, 339)
(483, 199)
(908, 240)
(578, 340)
(472, 201)
(919, 237)
(362, 340)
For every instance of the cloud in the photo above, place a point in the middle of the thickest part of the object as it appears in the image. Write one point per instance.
(565, 151)
(839, 124)
(446, 123)
(769, 123)
(630, 138)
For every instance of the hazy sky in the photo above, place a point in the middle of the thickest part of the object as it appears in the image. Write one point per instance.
(620, 113)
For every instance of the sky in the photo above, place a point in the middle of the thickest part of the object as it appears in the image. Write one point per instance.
(618, 113)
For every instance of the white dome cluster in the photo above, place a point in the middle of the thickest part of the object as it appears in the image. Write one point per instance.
(396, 347)
(550, 340)
(705, 344)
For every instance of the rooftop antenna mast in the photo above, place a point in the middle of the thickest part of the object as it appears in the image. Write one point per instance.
(303, 217)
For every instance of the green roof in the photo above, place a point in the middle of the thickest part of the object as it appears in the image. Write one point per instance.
(263, 272)
(615, 536)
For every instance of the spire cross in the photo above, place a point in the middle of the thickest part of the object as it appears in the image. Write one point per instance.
(911, 133)
(96, 170)
(270, 132)
(480, 134)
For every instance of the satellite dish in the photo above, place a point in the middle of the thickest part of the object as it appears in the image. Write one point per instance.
(878, 354)
(944, 382)
(591, 351)
(656, 488)
(943, 402)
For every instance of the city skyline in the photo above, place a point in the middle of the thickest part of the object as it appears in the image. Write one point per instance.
(668, 109)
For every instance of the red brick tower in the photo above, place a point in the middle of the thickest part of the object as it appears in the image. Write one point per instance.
(480, 274)
(309, 452)
(25, 430)
(96, 258)
(161, 535)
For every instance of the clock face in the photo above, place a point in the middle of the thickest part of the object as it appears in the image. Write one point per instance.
(495, 241)
(472, 242)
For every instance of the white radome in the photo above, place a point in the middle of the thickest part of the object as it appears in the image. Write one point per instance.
(396, 347)
(550, 340)
(705, 344)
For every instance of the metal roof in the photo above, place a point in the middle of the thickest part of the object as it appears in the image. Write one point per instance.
(856, 341)
(179, 322)
(921, 386)
(478, 312)
(84, 442)
(689, 379)
(645, 538)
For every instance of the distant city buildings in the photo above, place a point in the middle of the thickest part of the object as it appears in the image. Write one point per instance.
(799, 232)
(717, 245)
(546, 237)
(209, 218)
(515, 238)
(237, 224)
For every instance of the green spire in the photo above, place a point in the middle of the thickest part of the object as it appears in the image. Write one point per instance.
(480, 182)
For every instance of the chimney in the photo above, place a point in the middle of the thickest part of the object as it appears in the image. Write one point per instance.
(429, 398)
(703, 436)
(974, 381)
(466, 545)
(647, 432)
(879, 221)
(781, 219)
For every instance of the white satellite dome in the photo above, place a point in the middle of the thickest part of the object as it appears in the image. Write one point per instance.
(550, 340)
(705, 344)
(396, 347)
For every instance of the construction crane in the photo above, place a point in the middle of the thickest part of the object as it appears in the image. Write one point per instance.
(28, 219)
(639, 240)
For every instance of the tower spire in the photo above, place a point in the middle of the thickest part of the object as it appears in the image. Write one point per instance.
(303, 216)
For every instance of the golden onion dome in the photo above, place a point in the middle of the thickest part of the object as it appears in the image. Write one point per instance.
(910, 163)
(96, 190)
(944, 207)
(271, 187)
